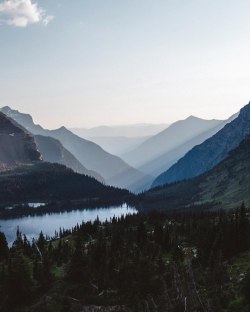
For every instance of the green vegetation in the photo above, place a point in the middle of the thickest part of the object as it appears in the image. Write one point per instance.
(146, 262)
(222, 187)
(56, 184)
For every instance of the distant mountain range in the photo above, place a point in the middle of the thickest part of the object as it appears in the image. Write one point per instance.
(213, 173)
(119, 140)
(225, 186)
(53, 151)
(205, 156)
(167, 159)
(129, 131)
(118, 145)
(162, 150)
(113, 169)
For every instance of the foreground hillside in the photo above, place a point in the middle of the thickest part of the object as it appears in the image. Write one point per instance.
(205, 156)
(141, 263)
(226, 185)
(52, 182)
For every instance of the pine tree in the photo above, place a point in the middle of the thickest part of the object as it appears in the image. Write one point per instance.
(4, 250)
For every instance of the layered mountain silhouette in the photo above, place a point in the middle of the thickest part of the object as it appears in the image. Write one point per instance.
(118, 145)
(53, 151)
(160, 151)
(118, 140)
(17, 146)
(128, 131)
(166, 160)
(225, 186)
(205, 156)
(113, 169)
(25, 176)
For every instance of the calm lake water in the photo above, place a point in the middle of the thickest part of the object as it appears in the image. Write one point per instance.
(31, 226)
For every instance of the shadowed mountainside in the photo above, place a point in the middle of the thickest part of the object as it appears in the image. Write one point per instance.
(112, 168)
(16, 145)
(53, 151)
(152, 154)
(208, 154)
(45, 182)
(165, 161)
(224, 186)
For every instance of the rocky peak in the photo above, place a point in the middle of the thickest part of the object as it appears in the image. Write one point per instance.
(7, 126)
(16, 145)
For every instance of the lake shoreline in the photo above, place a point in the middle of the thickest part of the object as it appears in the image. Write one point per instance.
(49, 223)
(22, 210)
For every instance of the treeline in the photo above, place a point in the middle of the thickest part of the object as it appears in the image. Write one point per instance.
(21, 210)
(154, 262)
(53, 182)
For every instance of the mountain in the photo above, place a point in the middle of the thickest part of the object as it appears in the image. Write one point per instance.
(118, 145)
(113, 169)
(53, 151)
(208, 154)
(30, 178)
(129, 131)
(119, 140)
(166, 160)
(225, 186)
(167, 141)
(45, 182)
(16, 145)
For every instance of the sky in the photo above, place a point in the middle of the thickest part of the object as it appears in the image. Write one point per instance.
(85, 63)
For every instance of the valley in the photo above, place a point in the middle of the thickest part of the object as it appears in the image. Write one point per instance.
(124, 156)
(168, 246)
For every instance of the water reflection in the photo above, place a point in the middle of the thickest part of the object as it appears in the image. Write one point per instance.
(31, 226)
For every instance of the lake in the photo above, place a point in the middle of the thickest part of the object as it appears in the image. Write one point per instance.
(31, 226)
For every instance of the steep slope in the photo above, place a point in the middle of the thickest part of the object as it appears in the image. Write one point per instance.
(16, 145)
(165, 161)
(29, 178)
(112, 168)
(53, 151)
(169, 139)
(208, 154)
(225, 186)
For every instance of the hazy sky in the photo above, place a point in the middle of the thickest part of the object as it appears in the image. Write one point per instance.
(92, 62)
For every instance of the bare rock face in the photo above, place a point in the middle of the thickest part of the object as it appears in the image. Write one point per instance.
(16, 145)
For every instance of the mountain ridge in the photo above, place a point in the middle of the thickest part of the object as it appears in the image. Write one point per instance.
(145, 156)
(112, 168)
(53, 151)
(224, 186)
(203, 157)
